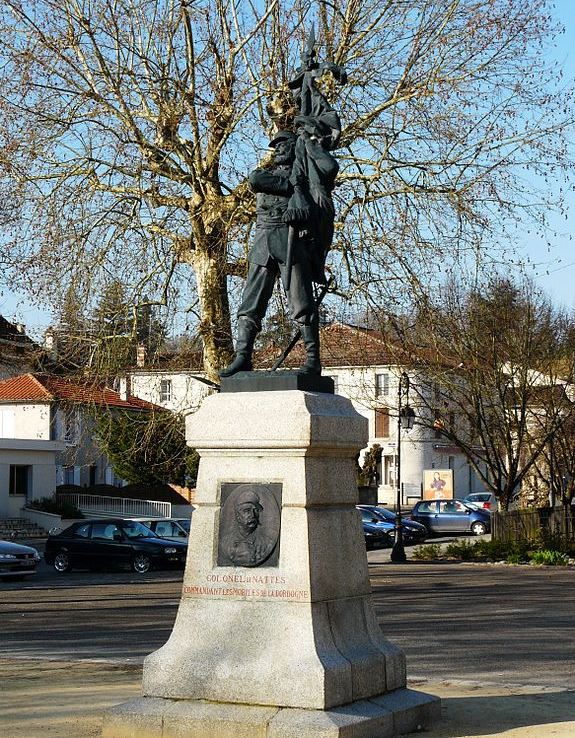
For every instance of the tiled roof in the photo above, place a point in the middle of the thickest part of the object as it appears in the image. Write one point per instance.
(347, 345)
(49, 387)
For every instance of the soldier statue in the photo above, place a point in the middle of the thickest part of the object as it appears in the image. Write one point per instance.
(294, 219)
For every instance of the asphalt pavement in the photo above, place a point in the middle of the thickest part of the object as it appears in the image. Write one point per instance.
(496, 642)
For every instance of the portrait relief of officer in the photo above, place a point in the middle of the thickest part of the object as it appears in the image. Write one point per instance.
(249, 527)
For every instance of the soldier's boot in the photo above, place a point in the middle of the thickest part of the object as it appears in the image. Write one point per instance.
(242, 361)
(310, 335)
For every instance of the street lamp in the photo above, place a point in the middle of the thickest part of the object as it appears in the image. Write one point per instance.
(405, 419)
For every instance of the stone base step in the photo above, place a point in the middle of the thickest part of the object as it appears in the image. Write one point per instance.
(393, 714)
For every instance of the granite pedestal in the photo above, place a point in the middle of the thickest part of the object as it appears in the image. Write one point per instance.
(285, 643)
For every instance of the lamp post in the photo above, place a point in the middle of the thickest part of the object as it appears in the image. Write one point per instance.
(405, 419)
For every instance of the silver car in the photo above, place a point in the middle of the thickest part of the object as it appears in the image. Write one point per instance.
(481, 501)
(17, 561)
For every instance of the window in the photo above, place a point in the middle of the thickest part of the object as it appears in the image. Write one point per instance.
(165, 390)
(105, 531)
(427, 507)
(68, 475)
(451, 506)
(70, 425)
(19, 479)
(382, 385)
(389, 467)
(93, 471)
(382, 422)
(83, 531)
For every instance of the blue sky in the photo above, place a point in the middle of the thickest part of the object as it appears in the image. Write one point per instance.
(555, 268)
(552, 269)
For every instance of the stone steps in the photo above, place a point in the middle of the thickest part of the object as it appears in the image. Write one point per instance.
(19, 528)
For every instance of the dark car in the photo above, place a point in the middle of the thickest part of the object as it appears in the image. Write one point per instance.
(375, 537)
(17, 561)
(94, 544)
(451, 516)
(413, 532)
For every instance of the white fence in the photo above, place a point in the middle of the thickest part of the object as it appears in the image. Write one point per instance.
(120, 507)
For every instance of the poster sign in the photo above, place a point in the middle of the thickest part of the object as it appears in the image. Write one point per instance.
(437, 484)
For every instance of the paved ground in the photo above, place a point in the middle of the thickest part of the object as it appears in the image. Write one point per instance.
(57, 699)
(481, 635)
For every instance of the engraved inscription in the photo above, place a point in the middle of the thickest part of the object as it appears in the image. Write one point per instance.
(249, 525)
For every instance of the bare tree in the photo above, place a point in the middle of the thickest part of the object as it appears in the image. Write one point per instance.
(488, 374)
(128, 127)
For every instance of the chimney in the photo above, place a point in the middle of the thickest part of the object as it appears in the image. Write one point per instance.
(50, 342)
(124, 388)
(140, 355)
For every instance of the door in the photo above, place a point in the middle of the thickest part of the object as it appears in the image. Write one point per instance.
(427, 514)
(109, 545)
(453, 516)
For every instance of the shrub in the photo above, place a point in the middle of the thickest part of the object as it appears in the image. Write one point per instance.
(429, 551)
(549, 557)
(462, 550)
(56, 505)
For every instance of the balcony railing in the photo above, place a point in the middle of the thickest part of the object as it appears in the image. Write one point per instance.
(120, 507)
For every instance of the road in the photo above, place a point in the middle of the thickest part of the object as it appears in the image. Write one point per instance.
(489, 623)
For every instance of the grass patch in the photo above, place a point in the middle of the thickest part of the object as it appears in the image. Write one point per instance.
(549, 557)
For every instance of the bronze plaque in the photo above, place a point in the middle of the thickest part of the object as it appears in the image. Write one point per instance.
(249, 533)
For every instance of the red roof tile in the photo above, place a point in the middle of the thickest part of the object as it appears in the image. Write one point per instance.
(344, 345)
(49, 387)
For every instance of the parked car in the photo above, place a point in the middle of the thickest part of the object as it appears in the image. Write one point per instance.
(17, 561)
(413, 532)
(375, 537)
(177, 529)
(451, 516)
(481, 501)
(112, 542)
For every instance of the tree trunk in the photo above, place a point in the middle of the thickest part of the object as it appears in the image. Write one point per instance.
(209, 266)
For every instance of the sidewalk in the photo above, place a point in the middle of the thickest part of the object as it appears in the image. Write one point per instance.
(58, 699)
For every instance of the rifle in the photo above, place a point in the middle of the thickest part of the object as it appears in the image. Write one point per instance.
(296, 336)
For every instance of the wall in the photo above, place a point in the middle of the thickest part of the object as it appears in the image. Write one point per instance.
(25, 420)
(42, 482)
(187, 392)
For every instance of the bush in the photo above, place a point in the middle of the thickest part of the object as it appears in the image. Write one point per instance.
(56, 505)
(429, 551)
(462, 550)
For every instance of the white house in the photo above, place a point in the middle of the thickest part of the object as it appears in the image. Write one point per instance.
(365, 371)
(46, 436)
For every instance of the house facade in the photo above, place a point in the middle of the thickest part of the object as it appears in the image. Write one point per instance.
(46, 437)
(364, 370)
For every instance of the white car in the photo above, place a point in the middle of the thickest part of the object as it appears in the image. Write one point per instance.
(481, 501)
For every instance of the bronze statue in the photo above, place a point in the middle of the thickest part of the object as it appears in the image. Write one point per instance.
(294, 218)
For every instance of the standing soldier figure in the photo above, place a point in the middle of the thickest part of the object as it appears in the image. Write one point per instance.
(294, 220)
